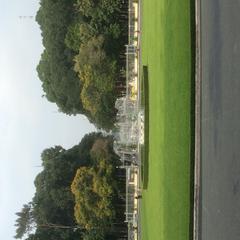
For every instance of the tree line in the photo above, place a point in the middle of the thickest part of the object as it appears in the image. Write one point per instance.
(83, 61)
(80, 194)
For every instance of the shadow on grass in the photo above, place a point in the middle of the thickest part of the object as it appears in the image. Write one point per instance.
(145, 147)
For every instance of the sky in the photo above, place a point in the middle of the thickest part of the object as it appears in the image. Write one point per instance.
(28, 122)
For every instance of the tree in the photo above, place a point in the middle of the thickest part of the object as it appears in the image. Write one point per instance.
(100, 148)
(59, 82)
(86, 6)
(73, 37)
(88, 36)
(92, 197)
(97, 73)
(94, 235)
(25, 221)
(98, 204)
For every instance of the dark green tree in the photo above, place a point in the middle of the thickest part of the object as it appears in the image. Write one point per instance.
(55, 69)
(90, 35)
(50, 214)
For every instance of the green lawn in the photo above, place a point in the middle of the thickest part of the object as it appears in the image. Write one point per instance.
(166, 51)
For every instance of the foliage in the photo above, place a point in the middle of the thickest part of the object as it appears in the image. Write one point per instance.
(97, 73)
(52, 211)
(94, 235)
(53, 201)
(93, 197)
(86, 36)
(86, 7)
(93, 188)
(73, 37)
(55, 68)
(25, 221)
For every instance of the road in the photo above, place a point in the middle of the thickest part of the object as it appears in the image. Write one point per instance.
(220, 120)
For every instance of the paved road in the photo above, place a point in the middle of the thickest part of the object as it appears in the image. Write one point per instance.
(220, 178)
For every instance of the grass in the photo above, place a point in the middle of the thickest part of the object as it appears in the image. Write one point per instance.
(168, 158)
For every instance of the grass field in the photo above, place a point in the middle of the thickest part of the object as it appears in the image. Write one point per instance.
(166, 53)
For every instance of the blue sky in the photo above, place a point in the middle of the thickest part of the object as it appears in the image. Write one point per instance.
(28, 123)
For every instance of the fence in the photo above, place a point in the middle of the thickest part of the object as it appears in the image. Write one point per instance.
(127, 137)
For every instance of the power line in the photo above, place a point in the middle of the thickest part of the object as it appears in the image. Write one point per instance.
(25, 17)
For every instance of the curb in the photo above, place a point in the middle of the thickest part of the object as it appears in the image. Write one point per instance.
(197, 170)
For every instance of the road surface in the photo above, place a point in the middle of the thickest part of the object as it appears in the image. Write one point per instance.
(220, 120)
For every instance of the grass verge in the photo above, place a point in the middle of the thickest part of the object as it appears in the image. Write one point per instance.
(168, 159)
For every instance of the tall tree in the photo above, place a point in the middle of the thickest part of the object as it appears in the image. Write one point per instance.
(55, 69)
(94, 199)
(87, 36)
(25, 221)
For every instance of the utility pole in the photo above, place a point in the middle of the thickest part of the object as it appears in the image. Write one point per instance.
(51, 225)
